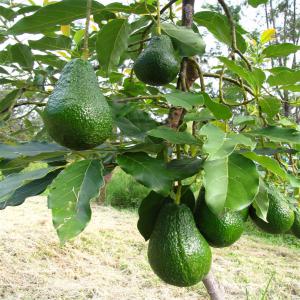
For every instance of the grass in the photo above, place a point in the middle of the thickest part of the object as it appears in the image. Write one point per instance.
(109, 261)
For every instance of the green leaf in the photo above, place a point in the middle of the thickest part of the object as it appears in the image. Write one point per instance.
(255, 3)
(22, 55)
(270, 105)
(184, 99)
(51, 43)
(33, 188)
(267, 162)
(220, 144)
(291, 87)
(284, 78)
(29, 149)
(148, 171)
(278, 134)
(186, 41)
(172, 136)
(203, 115)
(51, 60)
(261, 201)
(70, 195)
(112, 41)
(219, 26)
(244, 120)
(13, 182)
(148, 212)
(7, 13)
(184, 168)
(230, 183)
(9, 100)
(219, 110)
(60, 13)
(27, 9)
(280, 50)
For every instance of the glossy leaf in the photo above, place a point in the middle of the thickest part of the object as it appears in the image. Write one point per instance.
(70, 195)
(270, 105)
(184, 99)
(261, 201)
(9, 100)
(51, 43)
(219, 110)
(22, 55)
(230, 183)
(187, 42)
(256, 3)
(7, 13)
(172, 136)
(285, 77)
(147, 170)
(112, 41)
(184, 168)
(219, 26)
(279, 50)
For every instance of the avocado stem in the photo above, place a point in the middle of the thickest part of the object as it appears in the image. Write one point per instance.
(85, 50)
(158, 28)
(178, 193)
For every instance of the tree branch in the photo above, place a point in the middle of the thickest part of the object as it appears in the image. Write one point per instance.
(214, 290)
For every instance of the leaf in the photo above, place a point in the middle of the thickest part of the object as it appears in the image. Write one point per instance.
(203, 115)
(29, 149)
(70, 195)
(22, 55)
(51, 43)
(51, 60)
(33, 188)
(172, 136)
(65, 30)
(285, 77)
(280, 50)
(9, 100)
(255, 3)
(79, 34)
(278, 134)
(148, 171)
(184, 168)
(219, 26)
(230, 183)
(267, 35)
(270, 105)
(219, 110)
(60, 13)
(220, 144)
(184, 99)
(261, 201)
(267, 162)
(187, 42)
(112, 41)
(148, 212)
(11, 183)
(244, 120)
(292, 87)
(7, 13)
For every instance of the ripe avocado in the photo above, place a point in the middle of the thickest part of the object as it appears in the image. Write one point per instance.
(177, 252)
(296, 225)
(77, 115)
(219, 231)
(157, 64)
(280, 217)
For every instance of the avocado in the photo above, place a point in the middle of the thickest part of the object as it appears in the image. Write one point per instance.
(219, 231)
(77, 115)
(296, 224)
(280, 217)
(244, 213)
(158, 63)
(177, 252)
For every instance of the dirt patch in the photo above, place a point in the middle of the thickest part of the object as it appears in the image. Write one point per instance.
(108, 261)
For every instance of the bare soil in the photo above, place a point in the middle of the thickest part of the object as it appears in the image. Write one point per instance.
(108, 261)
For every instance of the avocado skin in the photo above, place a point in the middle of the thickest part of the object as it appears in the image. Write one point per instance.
(177, 252)
(280, 217)
(296, 224)
(77, 115)
(244, 213)
(157, 64)
(219, 231)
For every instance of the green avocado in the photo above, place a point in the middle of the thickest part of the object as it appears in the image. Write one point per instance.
(219, 231)
(177, 252)
(280, 217)
(296, 224)
(158, 63)
(77, 115)
(244, 213)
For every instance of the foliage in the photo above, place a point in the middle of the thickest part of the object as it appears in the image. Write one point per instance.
(123, 191)
(232, 130)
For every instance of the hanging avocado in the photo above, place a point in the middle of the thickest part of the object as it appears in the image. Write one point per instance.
(77, 115)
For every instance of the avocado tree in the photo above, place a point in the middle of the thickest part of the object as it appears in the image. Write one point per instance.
(88, 87)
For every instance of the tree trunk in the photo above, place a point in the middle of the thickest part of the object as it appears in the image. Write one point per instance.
(214, 290)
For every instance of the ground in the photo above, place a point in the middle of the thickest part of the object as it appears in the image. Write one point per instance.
(108, 261)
